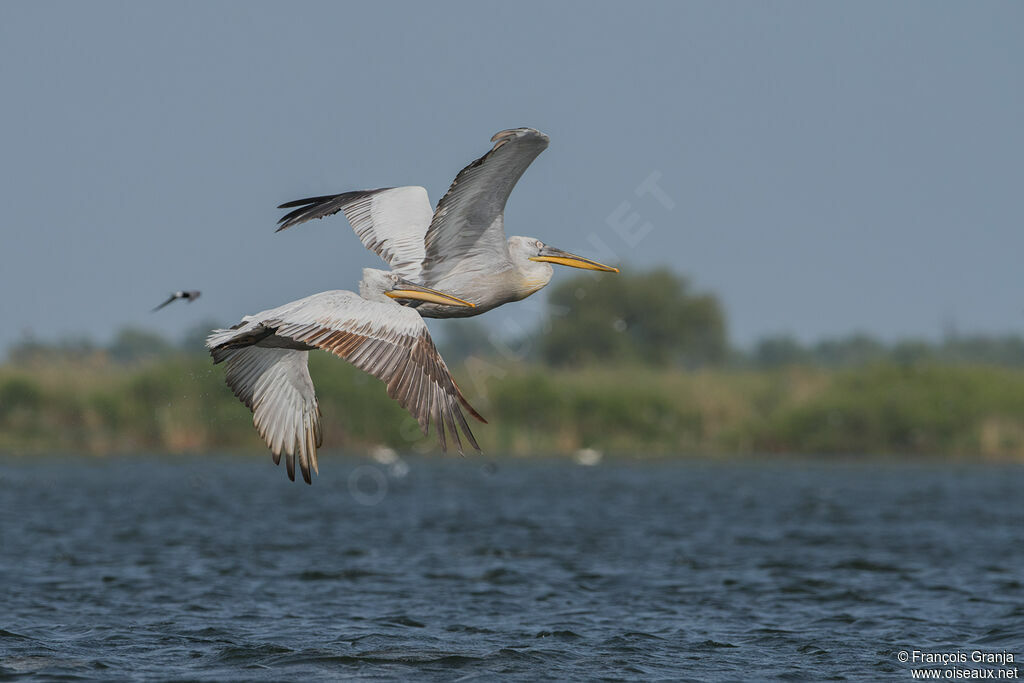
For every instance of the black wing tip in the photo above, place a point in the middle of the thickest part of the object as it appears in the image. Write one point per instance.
(289, 461)
(319, 207)
(293, 218)
(220, 354)
(467, 432)
(307, 200)
(352, 194)
(470, 437)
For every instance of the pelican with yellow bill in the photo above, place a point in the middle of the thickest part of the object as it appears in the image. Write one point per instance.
(265, 358)
(460, 247)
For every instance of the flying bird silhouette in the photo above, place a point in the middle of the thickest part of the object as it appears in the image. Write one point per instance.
(460, 247)
(190, 295)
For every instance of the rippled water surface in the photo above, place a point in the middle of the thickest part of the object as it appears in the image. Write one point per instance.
(218, 568)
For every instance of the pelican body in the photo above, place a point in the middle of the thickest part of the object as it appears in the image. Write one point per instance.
(460, 247)
(266, 362)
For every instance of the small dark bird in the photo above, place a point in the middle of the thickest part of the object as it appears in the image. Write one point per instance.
(187, 296)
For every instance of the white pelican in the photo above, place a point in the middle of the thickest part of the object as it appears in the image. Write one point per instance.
(266, 358)
(188, 295)
(460, 247)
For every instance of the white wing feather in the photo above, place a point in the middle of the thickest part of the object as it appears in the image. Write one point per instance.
(275, 384)
(267, 368)
(391, 222)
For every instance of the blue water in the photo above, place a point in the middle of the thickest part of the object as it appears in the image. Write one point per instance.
(218, 568)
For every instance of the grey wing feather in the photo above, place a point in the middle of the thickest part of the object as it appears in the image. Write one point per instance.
(468, 222)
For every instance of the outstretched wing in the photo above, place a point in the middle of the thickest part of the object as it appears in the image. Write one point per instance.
(469, 221)
(390, 221)
(388, 341)
(171, 298)
(274, 384)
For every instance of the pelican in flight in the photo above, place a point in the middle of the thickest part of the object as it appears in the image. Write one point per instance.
(188, 295)
(460, 247)
(266, 362)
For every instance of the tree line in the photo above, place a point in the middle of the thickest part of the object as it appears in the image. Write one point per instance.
(659, 319)
(655, 318)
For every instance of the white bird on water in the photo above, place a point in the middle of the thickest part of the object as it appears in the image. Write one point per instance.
(266, 362)
(460, 247)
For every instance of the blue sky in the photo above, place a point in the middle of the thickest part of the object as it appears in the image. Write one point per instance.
(826, 167)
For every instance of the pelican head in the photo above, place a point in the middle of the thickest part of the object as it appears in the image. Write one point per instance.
(381, 285)
(532, 249)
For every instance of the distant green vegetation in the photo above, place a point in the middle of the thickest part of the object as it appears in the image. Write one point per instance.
(650, 318)
(656, 319)
(603, 371)
(860, 349)
(180, 403)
